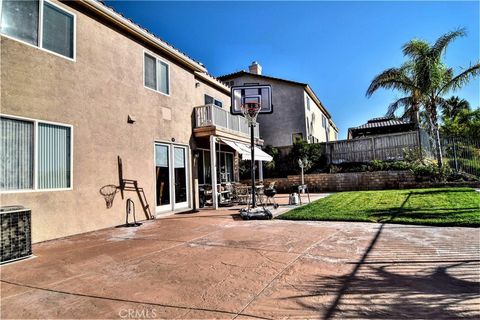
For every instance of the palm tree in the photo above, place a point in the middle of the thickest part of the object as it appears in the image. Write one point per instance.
(425, 79)
(454, 107)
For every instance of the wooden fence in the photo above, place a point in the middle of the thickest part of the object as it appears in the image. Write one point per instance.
(381, 147)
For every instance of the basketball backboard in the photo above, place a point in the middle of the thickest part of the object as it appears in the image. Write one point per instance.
(252, 93)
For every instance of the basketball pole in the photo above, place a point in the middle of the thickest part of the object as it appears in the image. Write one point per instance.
(252, 152)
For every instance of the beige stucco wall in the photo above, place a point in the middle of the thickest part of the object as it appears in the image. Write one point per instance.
(95, 94)
(204, 88)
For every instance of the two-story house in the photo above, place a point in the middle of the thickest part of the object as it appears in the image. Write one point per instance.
(81, 85)
(298, 114)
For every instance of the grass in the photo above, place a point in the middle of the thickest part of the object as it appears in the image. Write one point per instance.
(439, 207)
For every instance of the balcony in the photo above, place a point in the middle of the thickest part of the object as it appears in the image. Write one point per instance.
(210, 119)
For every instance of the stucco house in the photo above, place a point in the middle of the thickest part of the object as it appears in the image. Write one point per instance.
(81, 85)
(298, 114)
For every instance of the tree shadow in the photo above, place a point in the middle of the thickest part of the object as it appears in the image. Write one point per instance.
(397, 289)
(379, 293)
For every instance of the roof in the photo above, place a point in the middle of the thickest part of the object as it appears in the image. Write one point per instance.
(243, 72)
(110, 14)
(305, 85)
(213, 81)
(381, 123)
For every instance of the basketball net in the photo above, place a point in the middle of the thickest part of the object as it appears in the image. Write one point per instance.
(250, 111)
(108, 192)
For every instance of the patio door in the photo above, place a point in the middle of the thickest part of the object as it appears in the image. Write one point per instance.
(180, 177)
(172, 190)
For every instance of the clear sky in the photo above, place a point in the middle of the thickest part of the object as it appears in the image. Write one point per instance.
(336, 47)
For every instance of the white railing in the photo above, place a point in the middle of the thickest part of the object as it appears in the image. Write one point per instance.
(211, 115)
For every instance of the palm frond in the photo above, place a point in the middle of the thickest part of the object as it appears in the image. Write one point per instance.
(442, 43)
(393, 78)
(406, 102)
(416, 48)
(461, 79)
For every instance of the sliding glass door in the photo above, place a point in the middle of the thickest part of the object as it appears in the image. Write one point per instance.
(171, 177)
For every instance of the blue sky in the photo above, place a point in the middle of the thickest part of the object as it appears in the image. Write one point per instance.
(336, 47)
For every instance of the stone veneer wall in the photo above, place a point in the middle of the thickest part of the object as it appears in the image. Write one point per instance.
(351, 181)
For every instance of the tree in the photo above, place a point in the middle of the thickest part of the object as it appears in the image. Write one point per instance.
(425, 79)
(464, 123)
(454, 106)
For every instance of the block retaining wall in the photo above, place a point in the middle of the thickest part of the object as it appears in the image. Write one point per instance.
(351, 181)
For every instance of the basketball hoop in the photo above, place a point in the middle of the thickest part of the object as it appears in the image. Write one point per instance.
(108, 192)
(250, 111)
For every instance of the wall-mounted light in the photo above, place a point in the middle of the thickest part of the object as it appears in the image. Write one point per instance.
(197, 84)
(131, 119)
(173, 139)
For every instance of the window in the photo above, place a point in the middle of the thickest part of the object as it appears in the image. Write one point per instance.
(297, 137)
(208, 99)
(308, 103)
(156, 74)
(22, 166)
(22, 20)
(211, 100)
(225, 167)
(324, 121)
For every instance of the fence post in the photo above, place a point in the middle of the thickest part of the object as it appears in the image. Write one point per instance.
(419, 143)
(455, 154)
(374, 156)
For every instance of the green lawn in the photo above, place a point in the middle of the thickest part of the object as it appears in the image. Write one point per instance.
(440, 206)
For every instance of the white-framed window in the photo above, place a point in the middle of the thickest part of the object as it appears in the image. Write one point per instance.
(308, 103)
(324, 121)
(211, 100)
(39, 23)
(34, 155)
(156, 74)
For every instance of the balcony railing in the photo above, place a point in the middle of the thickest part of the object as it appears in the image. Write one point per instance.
(211, 115)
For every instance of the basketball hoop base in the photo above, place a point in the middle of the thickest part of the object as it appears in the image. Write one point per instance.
(256, 213)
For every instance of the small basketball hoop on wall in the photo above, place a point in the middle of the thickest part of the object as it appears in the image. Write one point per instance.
(108, 192)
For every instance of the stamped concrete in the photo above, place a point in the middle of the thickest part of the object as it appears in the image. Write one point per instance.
(213, 265)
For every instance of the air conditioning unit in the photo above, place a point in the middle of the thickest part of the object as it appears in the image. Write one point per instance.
(15, 233)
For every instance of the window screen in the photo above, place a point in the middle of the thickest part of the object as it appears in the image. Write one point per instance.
(150, 72)
(53, 156)
(16, 154)
(57, 30)
(163, 77)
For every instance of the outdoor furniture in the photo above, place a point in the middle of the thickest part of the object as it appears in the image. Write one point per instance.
(225, 194)
(240, 193)
(299, 189)
(270, 193)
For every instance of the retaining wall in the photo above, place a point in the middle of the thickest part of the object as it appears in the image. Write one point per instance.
(351, 181)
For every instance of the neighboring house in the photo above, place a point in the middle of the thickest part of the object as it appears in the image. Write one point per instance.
(382, 125)
(81, 85)
(297, 114)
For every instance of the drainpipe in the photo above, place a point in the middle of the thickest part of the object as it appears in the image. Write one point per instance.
(213, 167)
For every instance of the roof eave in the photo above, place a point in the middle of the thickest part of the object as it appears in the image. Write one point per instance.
(140, 33)
(214, 82)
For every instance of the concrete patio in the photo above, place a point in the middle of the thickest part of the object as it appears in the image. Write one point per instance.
(213, 265)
